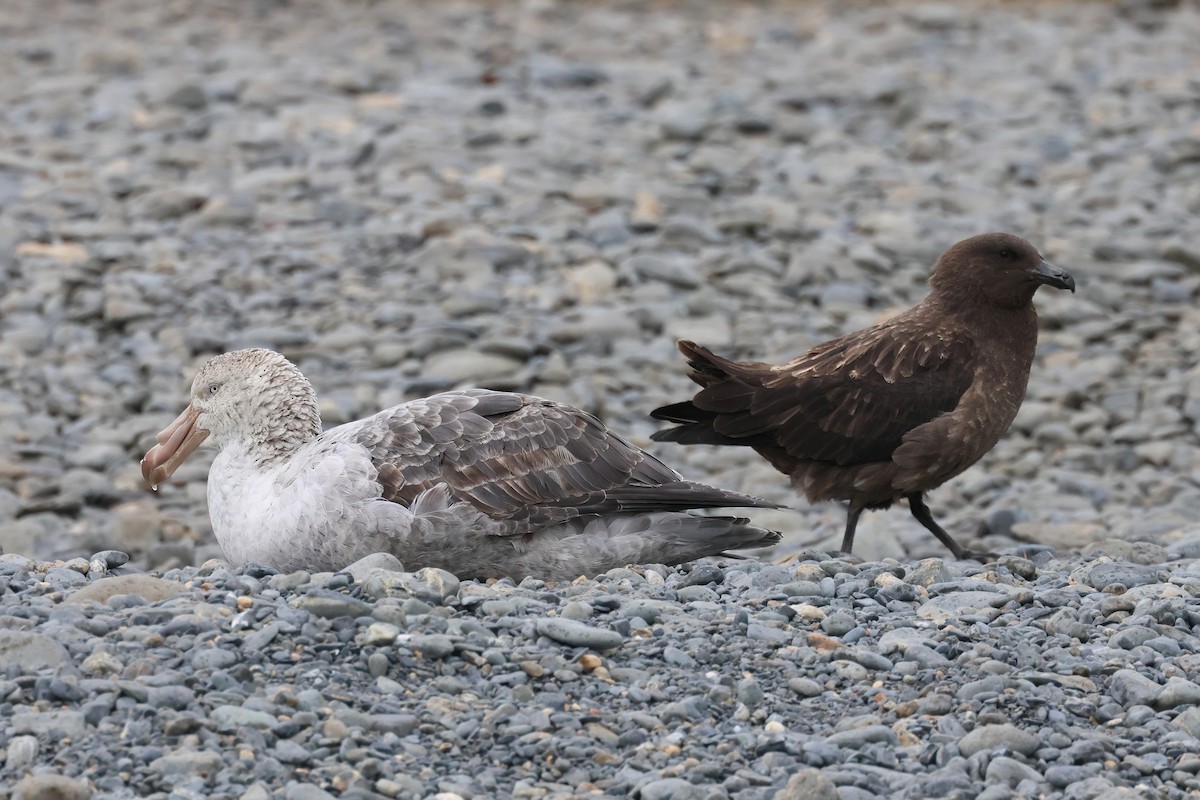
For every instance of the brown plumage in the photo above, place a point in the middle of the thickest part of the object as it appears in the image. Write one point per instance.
(891, 411)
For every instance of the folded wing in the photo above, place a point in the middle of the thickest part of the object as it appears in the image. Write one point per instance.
(848, 401)
(523, 459)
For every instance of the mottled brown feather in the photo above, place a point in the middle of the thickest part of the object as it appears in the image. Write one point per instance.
(523, 459)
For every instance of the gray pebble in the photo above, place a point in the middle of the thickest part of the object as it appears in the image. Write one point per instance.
(756, 632)
(176, 697)
(750, 693)
(378, 664)
(1129, 688)
(386, 561)
(30, 651)
(671, 788)
(213, 658)
(330, 605)
(673, 655)
(928, 572)
(304, 791)
(234, 717)
(1177, 693)
(671, 271)
(54, 723)
(577, 634)
(289, 752)
(987, 738)
(149, 588)
(432, 645)
(1104, 574)
(857, 738)
(187, 762)
(1061, 776)
(110, 559)
(189, 96)
(805, 687)
(52, 787)
(839, 623)
(21, 752)
(808, 784)
(576, 610)
(871, 659)
(1010, 771)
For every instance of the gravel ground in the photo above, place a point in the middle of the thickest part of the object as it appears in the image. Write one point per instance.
(543, 196)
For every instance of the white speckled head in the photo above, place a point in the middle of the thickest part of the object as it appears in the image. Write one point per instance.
(255, 396)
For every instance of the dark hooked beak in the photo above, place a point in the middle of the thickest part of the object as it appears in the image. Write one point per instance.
(1051, 275)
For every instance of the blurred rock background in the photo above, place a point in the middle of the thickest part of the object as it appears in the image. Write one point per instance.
(543, 196)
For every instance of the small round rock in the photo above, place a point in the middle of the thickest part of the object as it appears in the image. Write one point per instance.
(576, 634)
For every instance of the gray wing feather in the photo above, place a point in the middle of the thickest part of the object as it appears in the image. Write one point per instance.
(523, 459)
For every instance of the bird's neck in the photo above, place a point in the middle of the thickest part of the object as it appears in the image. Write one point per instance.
(1010, 332)
(971, 305)
(282, 444)
(283, 423)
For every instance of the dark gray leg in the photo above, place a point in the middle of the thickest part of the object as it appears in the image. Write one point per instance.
(851, 524)
(916, 504)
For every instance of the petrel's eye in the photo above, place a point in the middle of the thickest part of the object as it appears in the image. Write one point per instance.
(1007, 254)
(213, 388)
